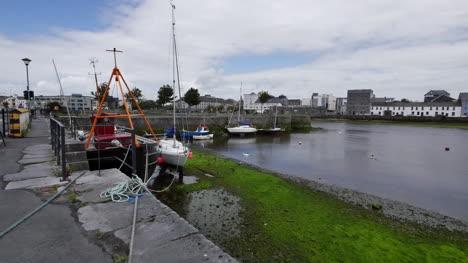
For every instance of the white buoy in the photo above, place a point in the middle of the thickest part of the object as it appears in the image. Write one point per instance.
(245, 154)
(300, 142)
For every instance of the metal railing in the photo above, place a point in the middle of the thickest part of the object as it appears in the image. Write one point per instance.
(72, 132)
(57, 139)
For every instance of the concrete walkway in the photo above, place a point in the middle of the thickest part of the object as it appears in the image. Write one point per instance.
(80, 226)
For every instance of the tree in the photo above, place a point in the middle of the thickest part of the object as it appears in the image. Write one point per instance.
(192, 97)
(405, 100)
(148, 104)
(102, 88)
(51, 105)
(165, 95)
(5, 104)
(220, 107)
(263, 97)
(137, 94)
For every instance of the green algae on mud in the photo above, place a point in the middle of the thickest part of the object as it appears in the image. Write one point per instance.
(283, 221)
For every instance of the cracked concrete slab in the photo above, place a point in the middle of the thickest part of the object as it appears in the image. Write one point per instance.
(192, 248)
(35, 183)
(106, 217)
(31, 171)
(39, 159)
(160, 230)
(51, 235)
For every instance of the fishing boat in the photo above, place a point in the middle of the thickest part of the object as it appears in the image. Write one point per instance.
(112, 148)
(174, 152)
(109, 147)
(242, 128)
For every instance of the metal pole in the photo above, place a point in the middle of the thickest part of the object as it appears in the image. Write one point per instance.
(52, 134)
(58, 145)
(27, 87)
(64, 163)
(134, 152)
(3, 121)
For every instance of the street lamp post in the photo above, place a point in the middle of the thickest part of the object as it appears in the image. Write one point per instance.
(26, 62)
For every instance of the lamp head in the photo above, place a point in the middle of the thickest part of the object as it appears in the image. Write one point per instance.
(26, 61)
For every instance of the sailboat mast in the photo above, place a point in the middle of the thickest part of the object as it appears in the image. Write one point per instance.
(61, 93)
(174, 57)
(240, 101)
(276, 115)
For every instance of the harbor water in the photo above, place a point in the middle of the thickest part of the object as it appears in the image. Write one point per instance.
(402, 163)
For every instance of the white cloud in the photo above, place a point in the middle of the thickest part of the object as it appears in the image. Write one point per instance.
(397, 48)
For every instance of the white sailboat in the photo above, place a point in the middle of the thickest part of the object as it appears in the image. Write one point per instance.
(242, 128)
(173, 151)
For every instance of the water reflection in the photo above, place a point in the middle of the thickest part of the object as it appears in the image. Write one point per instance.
(408, 164)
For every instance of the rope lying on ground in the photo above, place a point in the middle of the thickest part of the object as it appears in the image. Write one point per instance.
(24, 218)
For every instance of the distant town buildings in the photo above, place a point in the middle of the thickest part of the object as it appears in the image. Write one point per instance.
(436, 103)
(207, 101)
(306, 102)
(341, 106)
(463, 98)
(359, 101)
(326, 101)
(437, 96)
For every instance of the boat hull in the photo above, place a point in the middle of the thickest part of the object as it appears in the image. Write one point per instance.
(273, 131)
(112, 157)
(242, 130)
(173, 155)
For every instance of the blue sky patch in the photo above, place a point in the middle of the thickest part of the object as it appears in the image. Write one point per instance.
(22, 17)
(254, 63)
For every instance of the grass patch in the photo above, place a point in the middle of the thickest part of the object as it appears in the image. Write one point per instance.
(284, 221)
(72, 198)
(120, 259)
(414, 124)
(99, 235)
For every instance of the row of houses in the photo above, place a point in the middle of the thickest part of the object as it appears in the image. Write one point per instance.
(75, 102)
(436, 103)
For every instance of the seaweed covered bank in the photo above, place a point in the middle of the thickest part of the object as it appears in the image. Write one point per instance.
(262, 217)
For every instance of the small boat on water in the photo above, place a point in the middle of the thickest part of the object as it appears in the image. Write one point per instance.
(201, 130)
(275, 130)
(243, 128)
(203, 137)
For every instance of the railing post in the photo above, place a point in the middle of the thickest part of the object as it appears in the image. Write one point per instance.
(51, 133)
(134, 171)
(64, 163)
(57, 150)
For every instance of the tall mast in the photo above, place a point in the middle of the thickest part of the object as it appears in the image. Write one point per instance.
(240, 101)
(174, 70)
(93, 62)
(276, 115)
(61, 93)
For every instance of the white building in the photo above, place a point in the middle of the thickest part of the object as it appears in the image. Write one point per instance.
(327, 101)
(341, 105)
(249, 102)
(418, 109)
(75, 102)
(306, 102)
(16, 101)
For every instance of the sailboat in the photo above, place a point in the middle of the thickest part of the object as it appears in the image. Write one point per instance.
(173, 151)
(243, 128)
(276, 129)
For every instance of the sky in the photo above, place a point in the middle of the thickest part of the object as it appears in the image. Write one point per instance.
(397, 48)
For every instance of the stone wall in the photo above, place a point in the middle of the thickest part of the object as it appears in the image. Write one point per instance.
(191, 122)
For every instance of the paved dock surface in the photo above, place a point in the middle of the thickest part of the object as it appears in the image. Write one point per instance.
(86, 228)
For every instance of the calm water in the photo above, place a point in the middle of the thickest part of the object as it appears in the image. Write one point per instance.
(410, 163)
